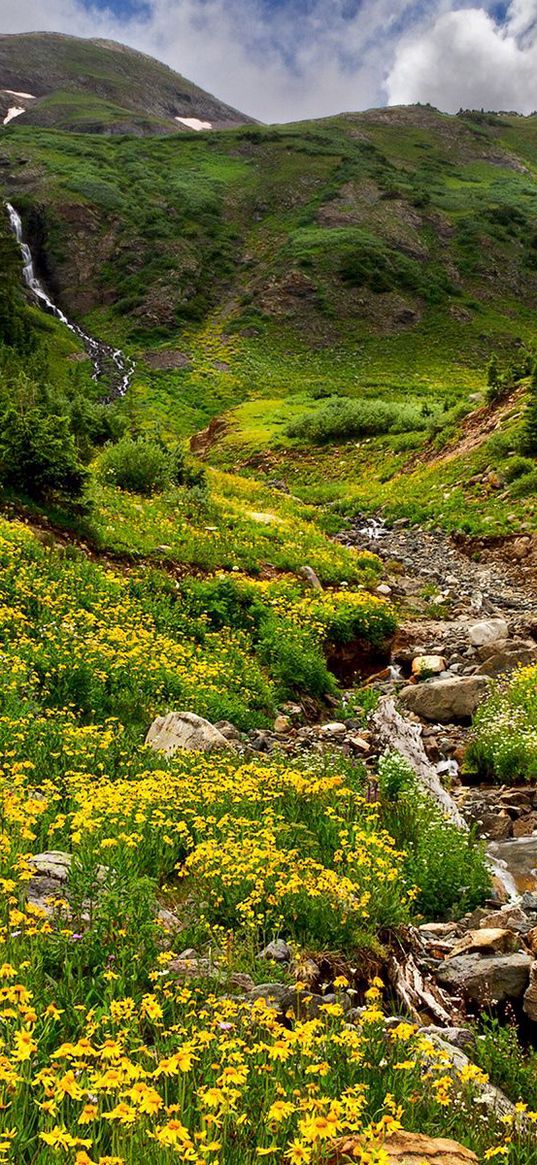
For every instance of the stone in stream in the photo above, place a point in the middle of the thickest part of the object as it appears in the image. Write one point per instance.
(520, 859)
(184, 731)
(445, 700)
(482, 979)
(510, 917)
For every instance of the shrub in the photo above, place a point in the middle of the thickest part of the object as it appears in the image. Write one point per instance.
(525, 485)
(38, 455)
(504, 738)
(446, 864)
(529, 436)
(295, 659)
(518, 467)
(139, 466)
(341, 419)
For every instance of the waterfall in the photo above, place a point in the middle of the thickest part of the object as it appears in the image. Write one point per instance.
(103, 356)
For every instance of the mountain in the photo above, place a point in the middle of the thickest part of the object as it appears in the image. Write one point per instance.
(99, 86)
(400, 223)
(335, 287)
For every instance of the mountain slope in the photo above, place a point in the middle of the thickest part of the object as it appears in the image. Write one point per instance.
(378, 257)
(101, 87)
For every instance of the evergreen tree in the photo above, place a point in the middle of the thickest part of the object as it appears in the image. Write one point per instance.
(494, 378)
(529, 438)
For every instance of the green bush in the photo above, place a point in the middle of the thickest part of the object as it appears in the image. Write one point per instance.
(510, 1066)
(38, 455)
(518, 467)
(446, 864)
(142, 466)
(525, 485)
(504, 737)
(341, 419)
(139, 466)
(295, 659)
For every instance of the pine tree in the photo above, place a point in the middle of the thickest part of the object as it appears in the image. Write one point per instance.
(529, 438)
(494, 379)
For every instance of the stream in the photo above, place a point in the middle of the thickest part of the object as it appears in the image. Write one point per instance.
(471, 590)
(106, 360)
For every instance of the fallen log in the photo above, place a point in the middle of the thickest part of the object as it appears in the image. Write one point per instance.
(393, 731)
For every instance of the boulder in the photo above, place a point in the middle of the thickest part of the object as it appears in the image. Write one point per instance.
(510, 917)
(496, 826)
(52, 864)
(277, 950)
(282, 725)
(184, 731)
(273, 994)
(488, 631)
(530, 996)
(486, 941)
(482, 979)
(445, 700)
(335, 730)
(506, 660)
(228, 730)
(403, 1148)
(310, 577)
(428, 665)
(525, 826)
(358, 744)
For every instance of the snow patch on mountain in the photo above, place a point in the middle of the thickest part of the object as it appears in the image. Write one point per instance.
(195, 123)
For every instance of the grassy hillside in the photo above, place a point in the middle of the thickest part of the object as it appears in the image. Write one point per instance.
(264, 273)
(101, 87)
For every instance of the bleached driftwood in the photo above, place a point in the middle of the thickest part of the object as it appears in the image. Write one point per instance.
(393, 731)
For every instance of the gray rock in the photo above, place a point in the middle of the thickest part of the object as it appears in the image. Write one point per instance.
(488, 631)
(228, 730)
(54, 864)
(309, 575)
(458, 1037)
(261, 740)
(487, 978)
(277, 950)
(529, 901)
(445, 700)
(184, 731)
(530, 996)
(272, 993)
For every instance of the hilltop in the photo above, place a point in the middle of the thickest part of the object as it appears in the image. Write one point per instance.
(98, 86)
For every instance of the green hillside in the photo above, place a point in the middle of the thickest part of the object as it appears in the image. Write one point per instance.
(255, 273)
(98, 86)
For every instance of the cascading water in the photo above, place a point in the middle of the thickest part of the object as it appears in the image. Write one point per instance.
(105, 358)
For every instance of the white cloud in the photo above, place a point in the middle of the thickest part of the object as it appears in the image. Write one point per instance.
(300, 60)
(278, 65)
(467, 58)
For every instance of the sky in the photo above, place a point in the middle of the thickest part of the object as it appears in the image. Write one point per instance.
(283, 60)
